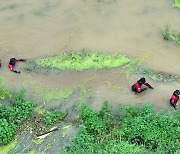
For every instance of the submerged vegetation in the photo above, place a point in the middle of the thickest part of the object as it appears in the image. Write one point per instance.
(48, 94)
(131, 130)
(157, 76)
(176, 3)
(176, 37)
(167, 34)
(80, 61)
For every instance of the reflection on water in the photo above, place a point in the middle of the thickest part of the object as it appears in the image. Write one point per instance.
(30, 29)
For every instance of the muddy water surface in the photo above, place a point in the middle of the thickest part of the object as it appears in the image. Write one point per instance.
(33, 29)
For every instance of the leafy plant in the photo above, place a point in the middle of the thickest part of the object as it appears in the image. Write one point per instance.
(134, 129)
(51, 117)
(176, 3)
(12, 117)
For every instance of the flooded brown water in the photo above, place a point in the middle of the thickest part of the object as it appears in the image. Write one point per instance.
(33, 29)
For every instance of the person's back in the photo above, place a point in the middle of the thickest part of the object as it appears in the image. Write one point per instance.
(12, 63)
(174, 98)
(137, 86)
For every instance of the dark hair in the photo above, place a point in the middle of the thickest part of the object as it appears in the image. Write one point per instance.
(142, 80)
(177, 92)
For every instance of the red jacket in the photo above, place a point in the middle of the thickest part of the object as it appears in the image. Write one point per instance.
(137, 86)
(174, 98)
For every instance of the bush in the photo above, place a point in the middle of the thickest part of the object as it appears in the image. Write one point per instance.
(140, 131)
(51, 117)
(11, 117)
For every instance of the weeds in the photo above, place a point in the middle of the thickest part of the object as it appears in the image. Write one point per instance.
(140, 130)
(51, 117)
(176, 37)
(176, 3)
(12, 117)
(165, 32)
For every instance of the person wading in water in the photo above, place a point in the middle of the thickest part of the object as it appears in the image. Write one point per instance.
(174, 98)
(13, 62)
(137, 86)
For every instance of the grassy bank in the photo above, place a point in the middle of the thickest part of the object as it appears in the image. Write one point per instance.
(131, 130)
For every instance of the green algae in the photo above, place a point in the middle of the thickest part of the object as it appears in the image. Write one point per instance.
(49, 94)
(80, 61)
(176, 3)
(7, 148)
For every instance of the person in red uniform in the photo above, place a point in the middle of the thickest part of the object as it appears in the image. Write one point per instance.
(12, 64)
(174, 98)
(137, 86)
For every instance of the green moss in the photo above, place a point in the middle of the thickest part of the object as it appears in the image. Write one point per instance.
(80, 61)
(49, 94)
(5, 149)
(176, 3)
(57, 94)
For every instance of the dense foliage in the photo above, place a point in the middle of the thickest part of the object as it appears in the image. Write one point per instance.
(12, 117)
(132, 130)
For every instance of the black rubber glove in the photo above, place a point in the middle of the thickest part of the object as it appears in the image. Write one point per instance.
(17, 72)
(143, 90)
(151, 87)
(23, 60)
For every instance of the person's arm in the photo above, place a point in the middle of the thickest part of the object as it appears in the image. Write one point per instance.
(141, 90)
(15, 71)
(148, 85)
(22, 60)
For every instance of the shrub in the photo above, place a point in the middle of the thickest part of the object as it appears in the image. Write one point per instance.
(140, 131)
(51, 117)
(11, 117)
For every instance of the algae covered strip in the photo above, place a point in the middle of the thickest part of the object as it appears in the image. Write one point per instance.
(80, 61)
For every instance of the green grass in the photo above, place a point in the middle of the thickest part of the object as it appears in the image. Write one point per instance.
(176, 3)
(176, 37)
(165, 32)
(80, 61)
(170, 35)
(132, 130)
